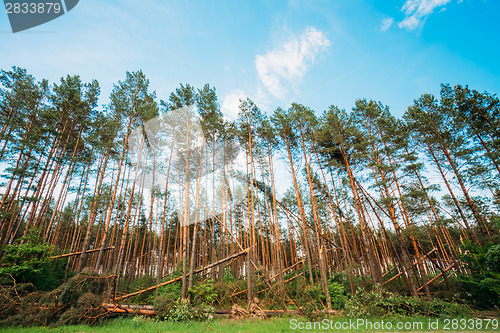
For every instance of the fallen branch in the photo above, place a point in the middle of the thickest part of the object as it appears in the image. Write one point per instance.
(286, 269)
(148, 310)
(96, 278)
(272, 277)
(130, 309)
(437, 276)
(180, 277)
(438, 265)
(81, 252)
(413, 264)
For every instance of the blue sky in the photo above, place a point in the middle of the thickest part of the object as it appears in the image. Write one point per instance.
(316, 53)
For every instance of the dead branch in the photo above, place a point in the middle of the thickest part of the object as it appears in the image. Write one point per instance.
(437, 276)
(415, 263)
(81, 252)
(95, 277)
(235, 311)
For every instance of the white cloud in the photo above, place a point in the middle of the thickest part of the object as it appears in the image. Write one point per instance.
(287, 64)
(231, 103)
(417, 11)
(386, 24)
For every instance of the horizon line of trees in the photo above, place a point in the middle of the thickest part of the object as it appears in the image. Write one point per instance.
(359, 202)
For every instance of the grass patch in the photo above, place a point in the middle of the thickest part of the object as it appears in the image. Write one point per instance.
(275, 325)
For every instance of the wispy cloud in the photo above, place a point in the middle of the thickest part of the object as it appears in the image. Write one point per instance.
(231, 102)
(386, 24)
(417, 11)
(285, 65)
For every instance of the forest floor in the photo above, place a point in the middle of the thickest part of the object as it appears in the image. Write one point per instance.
(287, 324)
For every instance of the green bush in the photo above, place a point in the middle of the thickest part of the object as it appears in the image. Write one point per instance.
(337, 294)
(229, 287)
(169, 305)
(204, 292)
(309, 297)
(382, 303)
(165, 297)
(28, 261)
(482, 286)
(182, 310)
(172, 291)
(141, 283)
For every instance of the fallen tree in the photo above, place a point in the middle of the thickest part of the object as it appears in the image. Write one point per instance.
(81, 252)
(79, 301)
(236, 255)
(235, 311)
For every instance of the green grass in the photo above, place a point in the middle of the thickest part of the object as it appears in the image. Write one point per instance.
(274, 325)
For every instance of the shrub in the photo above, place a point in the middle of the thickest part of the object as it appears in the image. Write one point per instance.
(337, 294)
(28, 261)
(165, 297)
(309, 297)
(141, 283)
(181, 310)
(204, 293)
(381, 303)
(275, 296)
(169, 306)
(229, 287)
(482, 286)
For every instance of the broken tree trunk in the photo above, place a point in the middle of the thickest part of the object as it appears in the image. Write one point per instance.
(413, 264)
(148, 310)
(80, 252)
(437, 276)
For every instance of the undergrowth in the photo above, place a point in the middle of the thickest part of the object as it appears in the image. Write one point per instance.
(385, 304)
